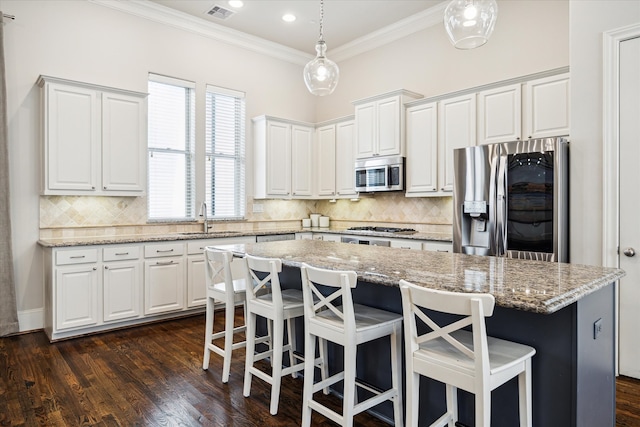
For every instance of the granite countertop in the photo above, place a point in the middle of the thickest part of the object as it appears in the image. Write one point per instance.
(143, 238)
(536, 286)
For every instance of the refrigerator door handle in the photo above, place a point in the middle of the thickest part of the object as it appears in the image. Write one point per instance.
(501, 207)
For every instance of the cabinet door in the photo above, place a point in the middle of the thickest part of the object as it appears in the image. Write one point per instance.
(301, 161)
(123, 143)
(72, 139)
(345, 159)
(196, 283)
(326, 161)
(278, 154)
(76, 296)
(415, 245)
(388, 117)
(122, 286)
(163, 285)
(500, 114)
(366, 134)
(456, 129)
(422, 149)
(547, 107)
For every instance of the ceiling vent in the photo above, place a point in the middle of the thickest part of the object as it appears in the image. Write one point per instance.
(220, 12)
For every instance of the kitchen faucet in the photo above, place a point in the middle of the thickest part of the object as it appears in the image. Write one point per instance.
(203, 212)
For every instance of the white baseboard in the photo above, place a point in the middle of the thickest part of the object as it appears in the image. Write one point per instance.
(31, 320)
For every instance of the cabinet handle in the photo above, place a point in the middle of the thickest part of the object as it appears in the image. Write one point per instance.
(164, 250)
(95, 268)
(405, 247)
(93, 187)
(77, 257)
(164, 263)
(122, 253)
(104, 188)
(106, 267)
(441, 250)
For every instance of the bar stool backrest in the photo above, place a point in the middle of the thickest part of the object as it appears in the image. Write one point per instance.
(474, 306)
(268, 269)
(218, 270)
(338, 300)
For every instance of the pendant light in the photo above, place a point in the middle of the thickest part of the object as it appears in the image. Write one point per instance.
(469, 23)
(321, 74)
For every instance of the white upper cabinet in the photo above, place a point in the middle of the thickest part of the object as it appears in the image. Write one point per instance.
(422, 149)
(301, 161)
(547, 107)
(345, 159)
(124, 146)
(456, 129)
(379, 124)
(326, 160)
(500, 114)
(283, 153)
(94, 139)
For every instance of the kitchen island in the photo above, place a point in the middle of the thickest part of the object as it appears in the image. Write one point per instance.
(565, 311)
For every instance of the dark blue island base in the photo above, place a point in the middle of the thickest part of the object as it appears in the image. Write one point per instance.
(573, 369)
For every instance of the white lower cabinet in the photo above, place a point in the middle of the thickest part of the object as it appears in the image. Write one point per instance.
(438, 246)
(121, 283)
(76, 296)
(407, 244)
(164, 278)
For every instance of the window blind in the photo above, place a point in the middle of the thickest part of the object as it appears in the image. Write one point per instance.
(225, 153)
(171, 141)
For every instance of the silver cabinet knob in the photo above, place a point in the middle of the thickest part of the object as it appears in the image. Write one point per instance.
(629, 252)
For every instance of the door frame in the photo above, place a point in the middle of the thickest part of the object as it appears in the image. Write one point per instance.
(611, 152)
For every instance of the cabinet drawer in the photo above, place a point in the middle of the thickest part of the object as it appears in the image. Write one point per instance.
(438, 246)
(163, 249)
(120, 253)
(76, 256)
(407, 244)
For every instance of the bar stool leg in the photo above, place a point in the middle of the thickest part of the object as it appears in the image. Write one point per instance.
(524, 387)
(349, 396)
(396, 376)
(228, 341)
(276, 368)
(291, 333)
(452, 403)
(324, 367)
(483, 407)
(251, 347)
(208, 332)
(307, 395)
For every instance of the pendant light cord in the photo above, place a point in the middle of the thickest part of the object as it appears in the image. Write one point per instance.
(321, 19)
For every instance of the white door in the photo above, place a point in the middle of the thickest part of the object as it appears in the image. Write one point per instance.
(629, 90)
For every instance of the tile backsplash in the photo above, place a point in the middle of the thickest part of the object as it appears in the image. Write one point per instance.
(86, 214)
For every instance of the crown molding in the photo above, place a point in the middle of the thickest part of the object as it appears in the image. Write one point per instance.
(403, 28)
(167, 16)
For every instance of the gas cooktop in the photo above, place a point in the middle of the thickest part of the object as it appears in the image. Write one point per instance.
(384, 230)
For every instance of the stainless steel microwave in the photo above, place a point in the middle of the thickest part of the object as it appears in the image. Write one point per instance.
(380, 174)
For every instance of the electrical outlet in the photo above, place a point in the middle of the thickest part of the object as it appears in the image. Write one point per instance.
(258, 208)
(597, 328)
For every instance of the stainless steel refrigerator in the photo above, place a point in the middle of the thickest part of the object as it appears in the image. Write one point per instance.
(511, 199)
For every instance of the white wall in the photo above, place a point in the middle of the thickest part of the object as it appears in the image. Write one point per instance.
(588, 20)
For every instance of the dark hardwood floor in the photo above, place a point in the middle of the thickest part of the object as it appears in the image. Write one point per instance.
(152, 376)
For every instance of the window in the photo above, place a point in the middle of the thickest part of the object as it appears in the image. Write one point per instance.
(171, 144)
(225, 153)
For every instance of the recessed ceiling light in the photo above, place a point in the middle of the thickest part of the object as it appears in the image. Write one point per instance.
(288, 17)
(236, 3)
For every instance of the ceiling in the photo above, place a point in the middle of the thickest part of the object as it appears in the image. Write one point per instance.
(344, 20)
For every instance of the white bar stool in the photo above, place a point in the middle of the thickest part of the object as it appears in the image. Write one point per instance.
(222, 287)
(348, 325)
(471, 361)
(265, 298)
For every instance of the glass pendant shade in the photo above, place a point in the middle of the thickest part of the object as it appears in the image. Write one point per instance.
(469, 23)
(321, 74)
